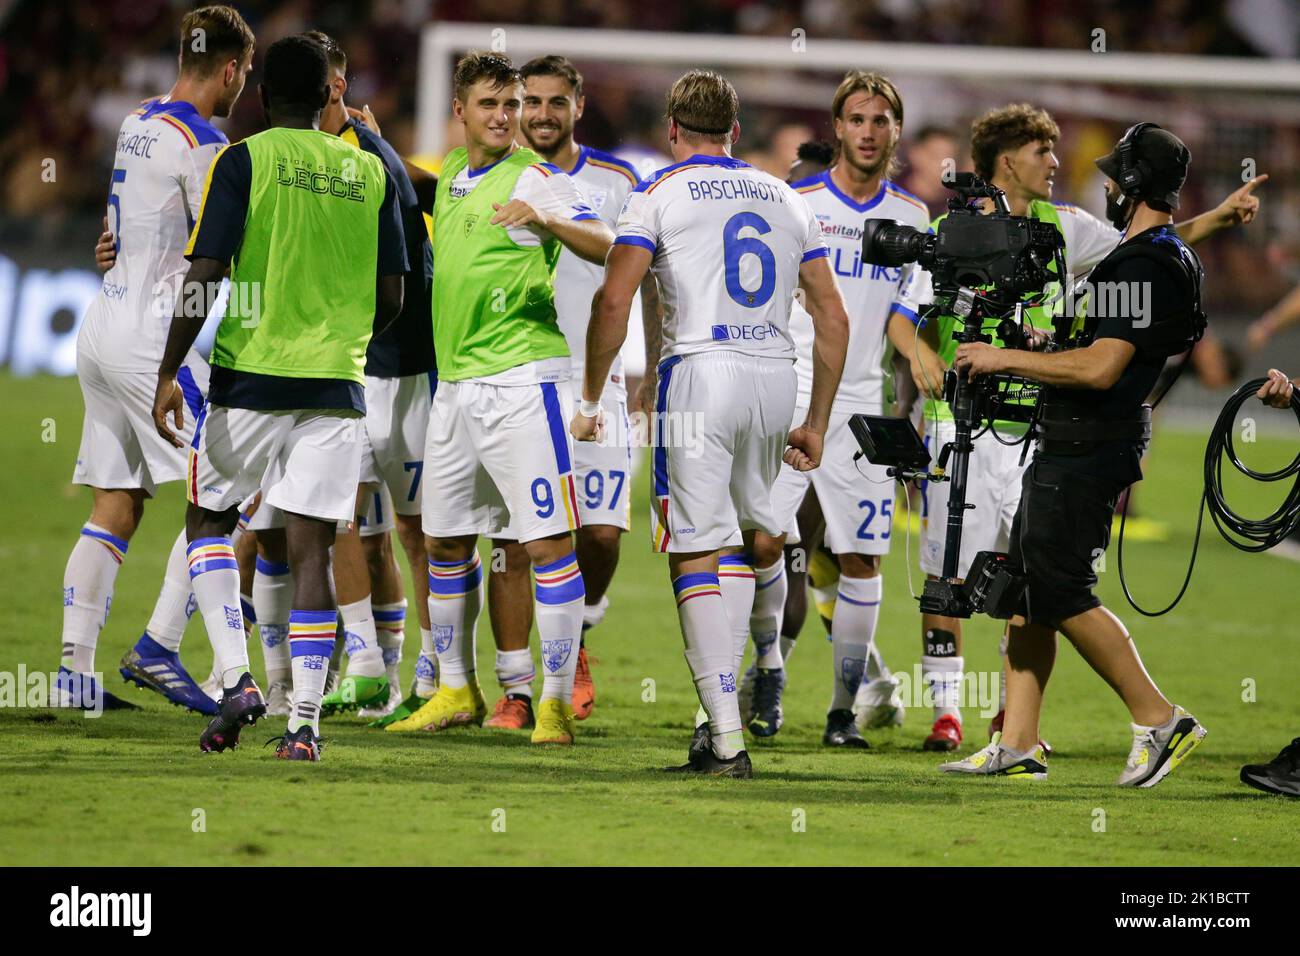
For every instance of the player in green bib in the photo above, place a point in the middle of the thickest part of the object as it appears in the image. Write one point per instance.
(498, 460)
(310, 230)
(1014, 149)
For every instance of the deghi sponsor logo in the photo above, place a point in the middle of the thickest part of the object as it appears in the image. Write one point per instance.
(75, 909)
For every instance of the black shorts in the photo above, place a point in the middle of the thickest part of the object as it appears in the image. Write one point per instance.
(1060, 530)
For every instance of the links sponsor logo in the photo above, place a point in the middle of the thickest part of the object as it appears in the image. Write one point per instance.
(745, 333)
(76, 909)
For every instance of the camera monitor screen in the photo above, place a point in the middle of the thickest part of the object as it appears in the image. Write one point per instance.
(889, 441)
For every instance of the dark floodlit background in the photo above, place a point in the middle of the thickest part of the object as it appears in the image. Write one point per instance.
(69, 72)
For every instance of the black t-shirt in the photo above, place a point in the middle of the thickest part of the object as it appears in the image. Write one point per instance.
(406, 346)
(1131, 297)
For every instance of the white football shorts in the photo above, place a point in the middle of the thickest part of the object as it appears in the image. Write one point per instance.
(498, 458)
(992, 486)
(305, 461)
(120, 447)
(720, 429)
(857, 497)
(392, 445)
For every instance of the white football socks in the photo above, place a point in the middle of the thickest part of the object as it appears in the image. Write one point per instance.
(711, 656)
(853, 629)
(736, 582)
(455, 599)
(311, 642)
(273, 600)
(360, 641)
(88, 593)
(390, 625)
(515, 672)
(559, 596)
(943, 678)
(214, 576)
(426, 665)
(770, 589)
(175, 604)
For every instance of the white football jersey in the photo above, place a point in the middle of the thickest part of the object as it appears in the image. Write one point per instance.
(604, 182)
(869, 291)
(728, 240)
(164, 150)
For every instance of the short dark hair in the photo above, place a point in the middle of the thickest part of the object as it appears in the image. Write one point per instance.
(211, 37)
(1005, 130)
(554, 65)
(295, 74)
(479, 65)
(816, 151)
(334, 54)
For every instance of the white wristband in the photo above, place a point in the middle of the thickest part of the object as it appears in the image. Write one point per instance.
(589, 409)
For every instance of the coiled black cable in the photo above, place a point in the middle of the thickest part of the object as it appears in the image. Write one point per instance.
(1259, 534)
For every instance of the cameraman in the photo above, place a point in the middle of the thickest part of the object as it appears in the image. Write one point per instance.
(1013, 148)
(1094, 428)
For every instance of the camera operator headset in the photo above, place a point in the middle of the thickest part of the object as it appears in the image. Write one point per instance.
(1093, 428)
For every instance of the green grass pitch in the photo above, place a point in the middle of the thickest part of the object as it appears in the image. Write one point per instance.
(124, 789)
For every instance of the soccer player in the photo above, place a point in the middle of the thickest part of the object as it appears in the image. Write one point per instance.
(164, 150)
(497, 454)
(729, 245)
(312, 230)
(856, 497)
(398, 396)
(553, 103)
(1013, 148)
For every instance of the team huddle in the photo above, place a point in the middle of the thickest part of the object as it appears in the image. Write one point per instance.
(356, 390)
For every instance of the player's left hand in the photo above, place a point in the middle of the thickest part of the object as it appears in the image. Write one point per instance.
(805, 451)
(1240, 207)
(518, 213)
(978, 358)
(105, 249)
(364, 115)
(167, 399)
(583, 428)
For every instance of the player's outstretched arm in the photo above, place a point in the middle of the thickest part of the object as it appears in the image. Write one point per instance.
(830, 342)
(626, 268)
(198, 293)
(1238, 209)
(587, 238)
(1282, 316)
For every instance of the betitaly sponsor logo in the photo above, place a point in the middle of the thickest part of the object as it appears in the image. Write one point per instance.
(77, 909)
(67, 690)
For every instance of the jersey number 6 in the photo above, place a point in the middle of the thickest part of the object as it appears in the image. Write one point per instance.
(734, 249)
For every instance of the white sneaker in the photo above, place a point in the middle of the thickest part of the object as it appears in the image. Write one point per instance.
(279, 699)
(878, 704)
(1156, 752)
(996, 760)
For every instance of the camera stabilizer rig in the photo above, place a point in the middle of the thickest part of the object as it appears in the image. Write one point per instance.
(982, 267)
